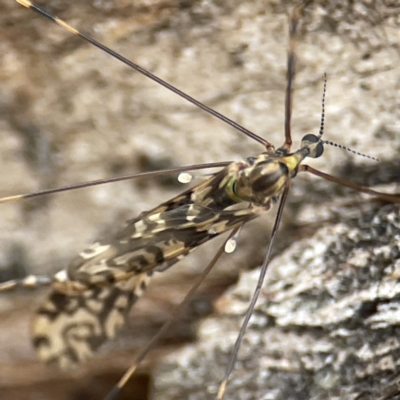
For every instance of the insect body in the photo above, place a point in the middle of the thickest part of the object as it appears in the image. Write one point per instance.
(105, 280)
(89, 302)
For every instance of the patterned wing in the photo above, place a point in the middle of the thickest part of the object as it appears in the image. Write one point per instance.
(152, 243)
(71, 325)
(104, 281)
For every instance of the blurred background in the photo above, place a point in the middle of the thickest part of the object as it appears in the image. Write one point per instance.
(69, 113)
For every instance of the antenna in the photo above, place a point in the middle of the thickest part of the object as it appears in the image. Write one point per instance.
(322, 125)
(340, 146)
(330, 143)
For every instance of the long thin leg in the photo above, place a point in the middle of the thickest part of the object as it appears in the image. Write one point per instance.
(150, 174)
(128, 374)
(249, 312)
(392, 198)
(138, 68)
(29, 282)
(291, 71)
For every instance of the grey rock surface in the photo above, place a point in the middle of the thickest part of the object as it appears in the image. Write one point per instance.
(326, 324)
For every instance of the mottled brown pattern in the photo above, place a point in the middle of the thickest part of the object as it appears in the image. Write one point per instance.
(70, 326)
(158, 237)
(103, 282)
(106, 279)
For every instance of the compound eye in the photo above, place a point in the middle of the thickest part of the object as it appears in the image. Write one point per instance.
(314, 144)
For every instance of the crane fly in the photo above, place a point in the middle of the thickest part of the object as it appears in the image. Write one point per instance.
(105, 280)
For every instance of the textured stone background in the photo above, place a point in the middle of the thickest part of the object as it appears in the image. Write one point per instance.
(68, 113)
(327, 324)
